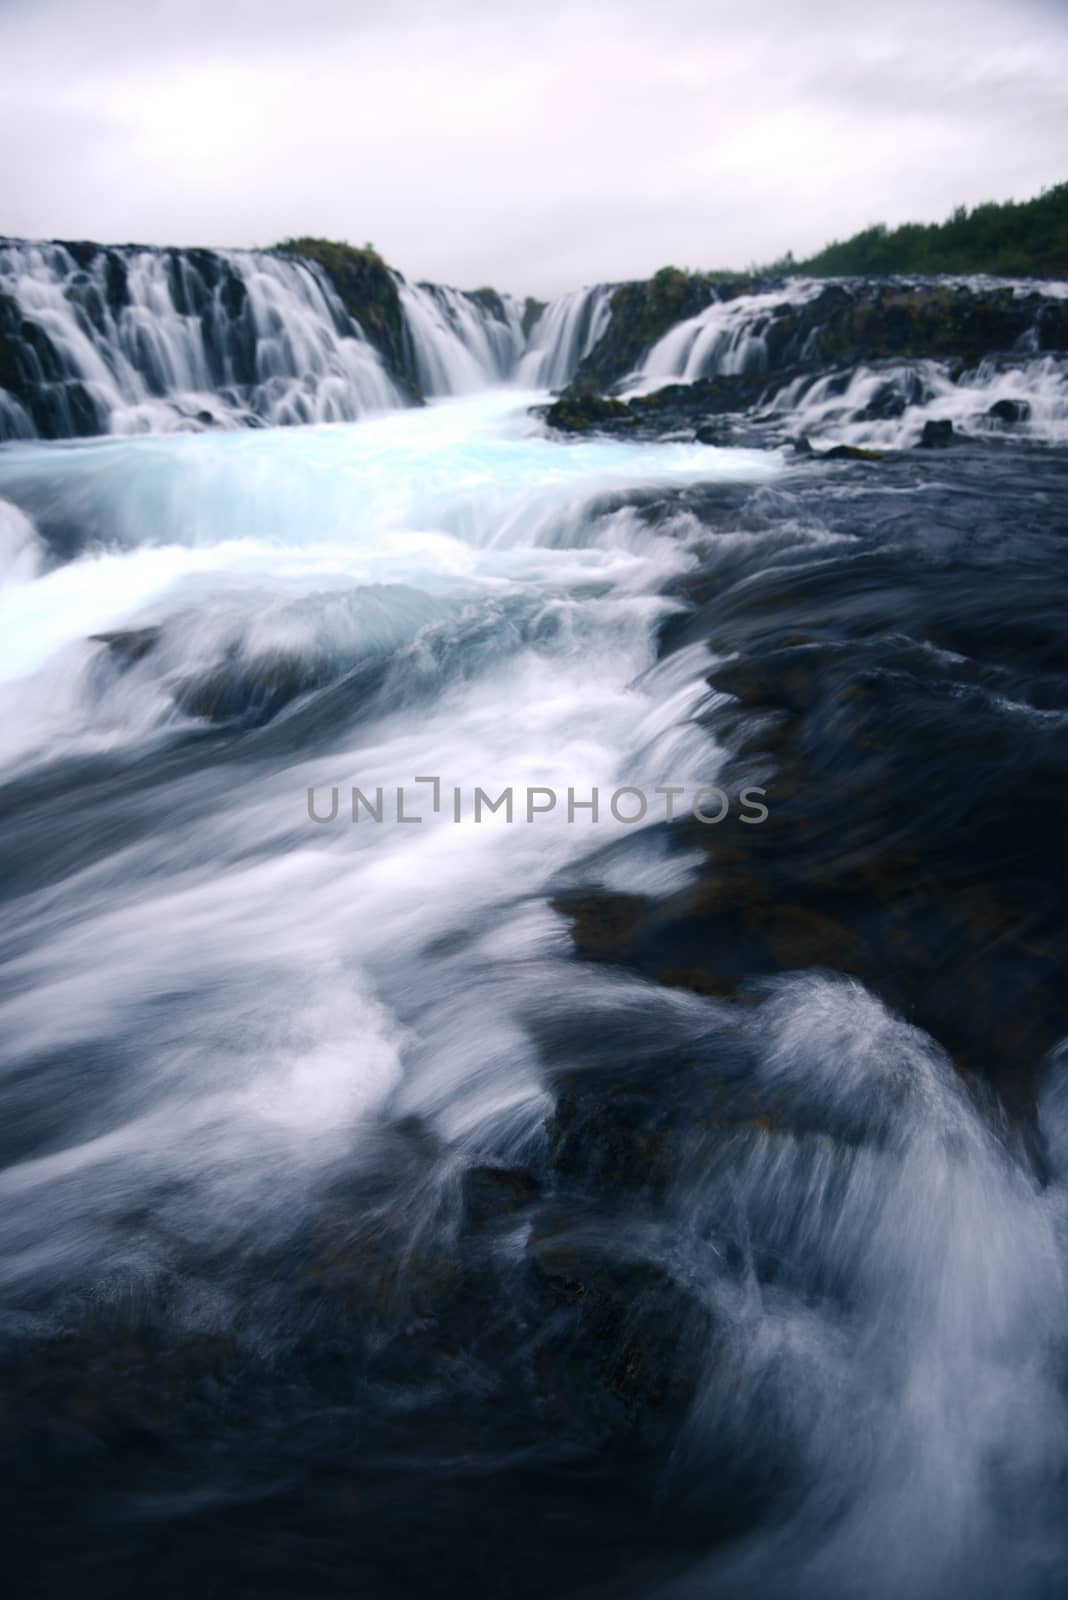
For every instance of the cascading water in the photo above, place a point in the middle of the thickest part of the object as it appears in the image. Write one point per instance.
(887, 407)
(135, 341)
(461, 343)
(624, 1201)
(566, 331)
(762, 332)
(727, 337)
(125, 340)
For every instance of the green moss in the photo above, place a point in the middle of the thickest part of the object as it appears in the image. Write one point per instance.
(10, 323)
(575, 413)
(336, 255)
(532, 310)
(850, 452)
(368, 291)
(490, 301)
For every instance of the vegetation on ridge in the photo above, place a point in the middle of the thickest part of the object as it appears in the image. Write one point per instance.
(1026, 238)
(368, 291)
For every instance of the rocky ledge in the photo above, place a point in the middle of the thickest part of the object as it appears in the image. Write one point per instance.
(847, 321)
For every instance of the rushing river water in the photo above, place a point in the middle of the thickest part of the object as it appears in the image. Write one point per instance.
(545, 1205)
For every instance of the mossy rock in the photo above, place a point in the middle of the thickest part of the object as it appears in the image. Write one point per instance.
(937, 434)
(129, 645)
(249, 693)
(368, 290)
(497, 1197)
(642, 312)
(847, 452)
(532, 310)
(577, 413)
(602, 921)
(490, 301)
(625, 1346)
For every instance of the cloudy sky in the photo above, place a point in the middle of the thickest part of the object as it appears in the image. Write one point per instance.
(535, 145)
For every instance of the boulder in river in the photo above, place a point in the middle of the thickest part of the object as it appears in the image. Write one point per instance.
(937, 434)
(1011, 411)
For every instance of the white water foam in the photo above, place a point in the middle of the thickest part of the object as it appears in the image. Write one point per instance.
(254, 333)
(475, 564)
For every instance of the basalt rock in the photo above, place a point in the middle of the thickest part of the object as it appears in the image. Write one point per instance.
(713, 433)
(642, 313)
(498, 1197)
(625, 1343)
(129, 645)
(577, 413)
(847, 452)
(251, 693)
(368, 291)
(697, 409)
(1011, 411)
(490, 301)
(845, 324)
(32, 374)
(532, 310)
(857, 731)
(881, 320)
(937, 434)
(717, 396)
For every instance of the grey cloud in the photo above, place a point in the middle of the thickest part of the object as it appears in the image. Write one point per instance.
(535, 146)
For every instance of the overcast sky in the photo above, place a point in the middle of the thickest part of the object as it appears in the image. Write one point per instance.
(536, 145)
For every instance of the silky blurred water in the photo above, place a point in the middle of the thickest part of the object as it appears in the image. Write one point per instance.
(250, 1060)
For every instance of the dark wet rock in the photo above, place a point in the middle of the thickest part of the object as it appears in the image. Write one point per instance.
(234, 296)
(116, 278)
(532, 310)
(497, 1196)
(846, 323)
(786, 679)
(698, 409)
(845, 452)
(83, 251)
(750, 401)
(886, 699)
(1011, 411)
(617, 1137)
(718, 433)
(489, 300)
(623, 1353)
(251, 692)
(892, 398)
(601, 922)
(33, 374)
(641, 313)
(368, 291)
(129, 645)
(698, 980)
(873, 320)
(577, 413)
(937, 434)
(838, 452)
(719, 396)
(887, 403)
(11, 368)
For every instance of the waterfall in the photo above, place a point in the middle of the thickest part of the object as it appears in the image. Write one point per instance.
(136, 340)
(726, 337)
(461, 342)
(566, 331)
(130, 339)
